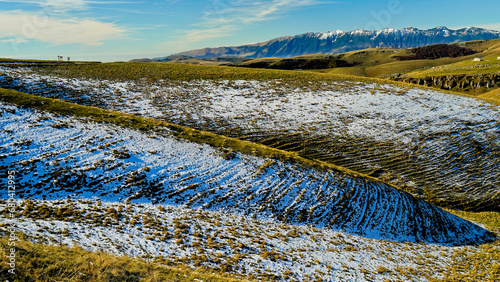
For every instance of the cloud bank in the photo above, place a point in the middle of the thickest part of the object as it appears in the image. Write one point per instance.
(20, 26)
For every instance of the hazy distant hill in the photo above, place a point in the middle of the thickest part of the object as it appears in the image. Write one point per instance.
(339, 41)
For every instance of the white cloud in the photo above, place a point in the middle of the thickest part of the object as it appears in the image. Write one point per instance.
(36, 26)
(16, 40)
(227, 16)
(59, 6)
(195, 35)
(253, 11)
(63, 6)
(54, 6)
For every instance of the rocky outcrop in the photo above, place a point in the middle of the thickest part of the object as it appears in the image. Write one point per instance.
(458, 82)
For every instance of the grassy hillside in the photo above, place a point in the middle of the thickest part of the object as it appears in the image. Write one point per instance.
(153, 72)
(464, 75)
(200, 238)
(493, 95)
(25, 62)
(481, 263)
(179, 59)
(341, 132)
(466, 65)
(275, 185)
(48, 260)
(383, 62)
(481, 45)
(147, 124)
(40, 262)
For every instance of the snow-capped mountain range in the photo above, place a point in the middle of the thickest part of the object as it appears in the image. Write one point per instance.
(338, 41)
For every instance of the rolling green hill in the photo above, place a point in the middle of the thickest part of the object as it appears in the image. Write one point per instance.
(466, 75)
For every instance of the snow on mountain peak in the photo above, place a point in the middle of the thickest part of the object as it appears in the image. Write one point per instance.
(314, 42)
(330, 34)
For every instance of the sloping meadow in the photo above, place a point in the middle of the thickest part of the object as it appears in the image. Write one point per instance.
(439, 147)
(59, 157)
(259, 248)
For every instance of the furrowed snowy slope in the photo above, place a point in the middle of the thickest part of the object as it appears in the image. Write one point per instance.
(60, 157)
(440, 147)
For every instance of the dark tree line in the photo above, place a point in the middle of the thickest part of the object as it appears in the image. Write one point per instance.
(301, 63)
(437, 51)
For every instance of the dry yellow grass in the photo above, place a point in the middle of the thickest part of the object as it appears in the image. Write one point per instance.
(38, 262)
(493, 95)
(476, 263)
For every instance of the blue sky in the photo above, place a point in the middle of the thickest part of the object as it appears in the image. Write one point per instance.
(126, 29)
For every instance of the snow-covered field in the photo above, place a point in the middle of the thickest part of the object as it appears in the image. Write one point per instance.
(60, 157)
(155, 196)
(246, 245)
(427, 142)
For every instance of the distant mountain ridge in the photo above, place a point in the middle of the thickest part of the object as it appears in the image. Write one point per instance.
(334, 42)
